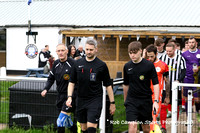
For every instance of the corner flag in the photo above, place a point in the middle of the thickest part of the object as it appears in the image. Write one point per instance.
(29, 2)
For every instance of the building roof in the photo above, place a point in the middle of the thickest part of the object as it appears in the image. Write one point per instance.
(102, 13)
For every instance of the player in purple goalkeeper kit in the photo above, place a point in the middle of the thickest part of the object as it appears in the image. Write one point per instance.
(192, 58)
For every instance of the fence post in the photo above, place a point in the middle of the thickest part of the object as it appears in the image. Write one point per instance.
(189, 113)
(102, 126)
(174, 106)
(3, 72)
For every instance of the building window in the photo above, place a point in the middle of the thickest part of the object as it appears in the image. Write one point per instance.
(2, 40)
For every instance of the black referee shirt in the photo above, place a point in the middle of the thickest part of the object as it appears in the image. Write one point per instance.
(89, 76)
(138, 77)
(61, 73)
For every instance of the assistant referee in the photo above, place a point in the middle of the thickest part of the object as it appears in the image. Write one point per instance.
(89, 72)
(60, 73)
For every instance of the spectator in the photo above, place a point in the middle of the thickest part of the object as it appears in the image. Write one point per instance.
(42, 58)
(47, 52)
(72, 52)
(80, 51)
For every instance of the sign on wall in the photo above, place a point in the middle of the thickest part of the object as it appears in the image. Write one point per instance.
(31, 51)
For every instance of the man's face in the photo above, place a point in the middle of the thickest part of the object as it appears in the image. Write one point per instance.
(192, 43)
(80, 49)
(61, 52)
(186, 46)
(135, 55)
(160, 48)
(90, 51)
(151, 56)
(170, 51)
(47, 48)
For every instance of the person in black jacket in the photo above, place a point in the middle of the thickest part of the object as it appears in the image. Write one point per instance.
(47, 52)
(60, 72)
(80, 51)
(42, 58)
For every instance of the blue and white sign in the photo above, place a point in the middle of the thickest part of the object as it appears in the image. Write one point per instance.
(31, 51)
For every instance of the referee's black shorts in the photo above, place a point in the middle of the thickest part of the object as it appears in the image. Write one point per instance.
(89, 110)
(139, 110)
(61, 103)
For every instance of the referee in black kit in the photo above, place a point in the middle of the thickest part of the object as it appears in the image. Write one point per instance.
(89, 72)
(60, 72)
(138, 74)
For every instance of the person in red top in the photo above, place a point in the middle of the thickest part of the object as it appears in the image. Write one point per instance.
(162, 73)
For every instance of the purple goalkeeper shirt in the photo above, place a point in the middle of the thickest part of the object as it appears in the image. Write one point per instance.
(191, 57)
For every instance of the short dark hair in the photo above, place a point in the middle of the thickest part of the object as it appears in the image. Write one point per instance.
(134, 46)
(172, 40)
(158, 42)
(171, 44)
(192, 37)
(178, 44)
(186, 42)
(151, 48)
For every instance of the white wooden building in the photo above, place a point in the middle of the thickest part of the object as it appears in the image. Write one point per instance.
(54, 20)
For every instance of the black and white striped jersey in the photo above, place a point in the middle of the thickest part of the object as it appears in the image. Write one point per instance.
(175, 64)
(178, 52)
(159, 54)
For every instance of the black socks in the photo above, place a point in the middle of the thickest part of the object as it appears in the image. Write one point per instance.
(61, 129)
(86, 131)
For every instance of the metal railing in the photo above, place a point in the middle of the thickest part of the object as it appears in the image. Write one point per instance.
(189, 121)
(22, 104)
(19, 96)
